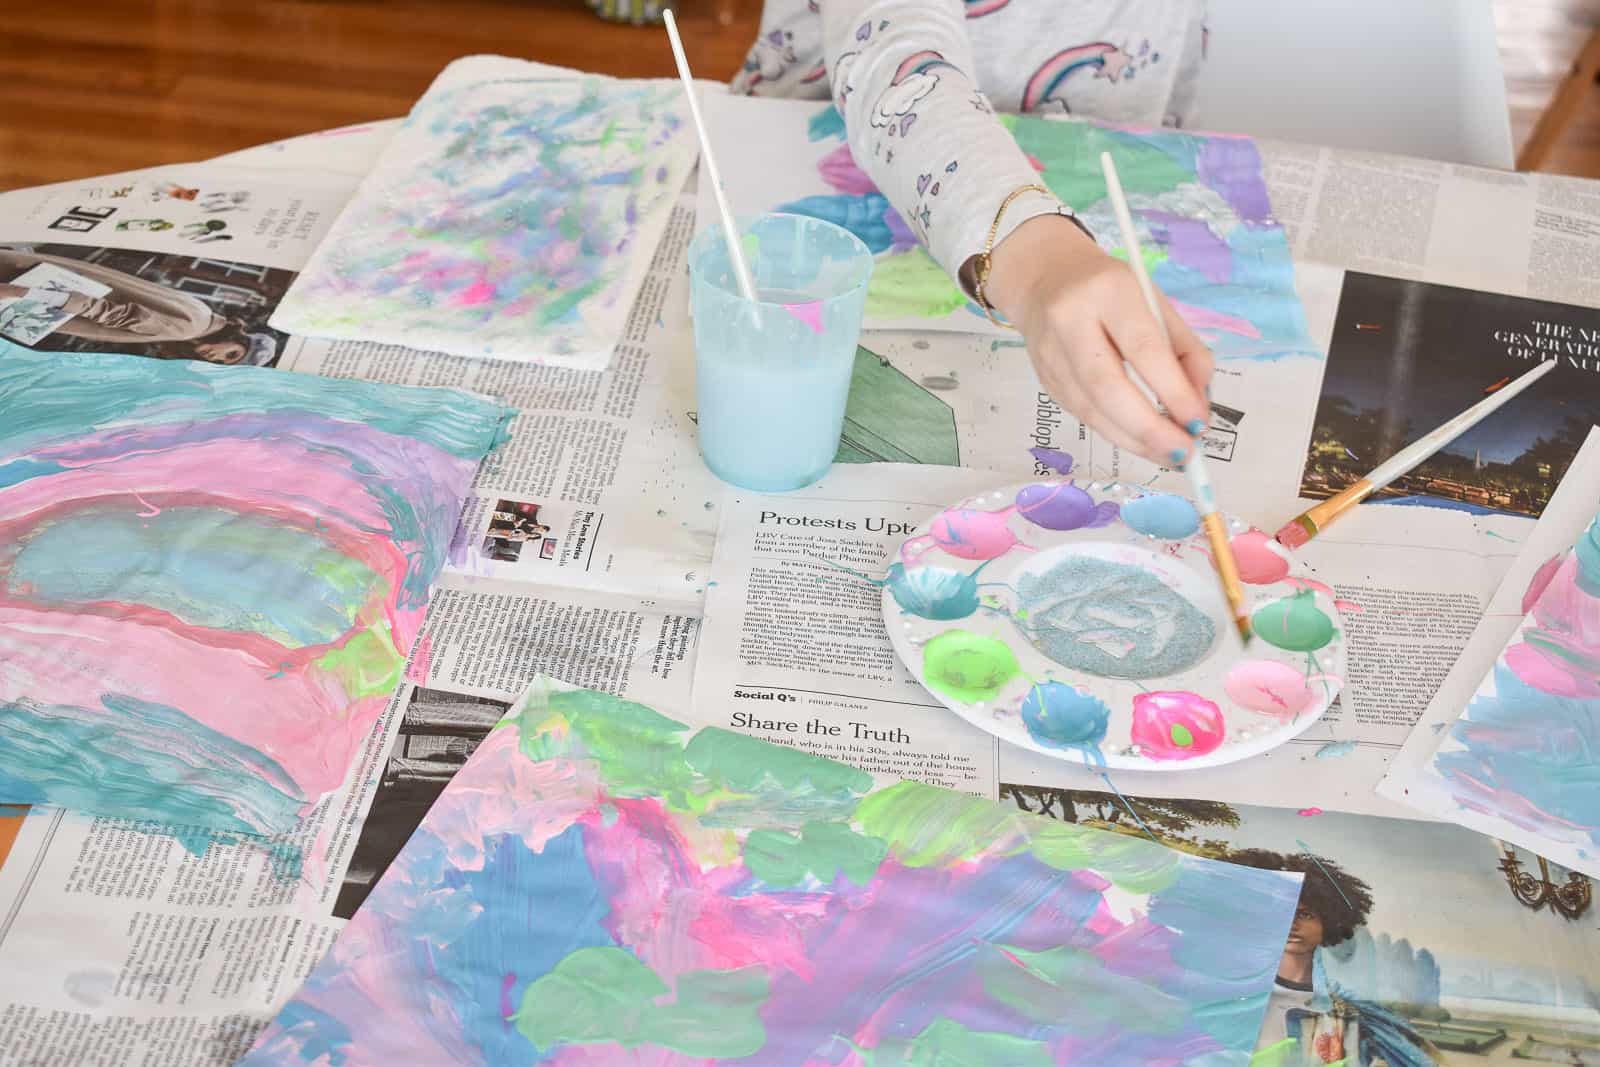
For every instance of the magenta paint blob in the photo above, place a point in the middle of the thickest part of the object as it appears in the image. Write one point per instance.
(1176, 725)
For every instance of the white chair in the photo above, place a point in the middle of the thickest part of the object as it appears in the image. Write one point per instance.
(1414, 77)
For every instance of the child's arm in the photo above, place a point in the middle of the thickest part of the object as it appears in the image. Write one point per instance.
(925, 134)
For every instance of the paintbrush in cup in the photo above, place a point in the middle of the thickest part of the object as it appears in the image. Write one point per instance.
(1304, 527)
(1204, 497)
(730, 232)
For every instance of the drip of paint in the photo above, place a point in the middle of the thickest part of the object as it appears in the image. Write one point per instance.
(809, 313)
(1335, 749)
(1308, 812)
(968, 667)
(1063, 506)
(1171, 518)
(1062, 716)
(1176, 725)
(1293, 623)
(1115, 620)
(1049, 458)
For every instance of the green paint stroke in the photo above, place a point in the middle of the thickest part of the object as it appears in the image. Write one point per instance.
(1070, 154)
(946, 1043)
(823, 849)
(1285, 1053)
(924, 826)
(966, 666)
(640, 751)
(1293, 623)
(1036, 984)
(606, 995)
(911, 285)
(740, 764)
(929, 827)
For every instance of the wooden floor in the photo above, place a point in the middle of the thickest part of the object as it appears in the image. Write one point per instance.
(93, 86)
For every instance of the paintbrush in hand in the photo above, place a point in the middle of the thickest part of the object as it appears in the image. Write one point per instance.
(1204, 498)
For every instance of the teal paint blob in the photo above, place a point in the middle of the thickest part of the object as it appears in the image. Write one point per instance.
(1171, 518)
(1109, 619)
(1058, 715)
(933, 592)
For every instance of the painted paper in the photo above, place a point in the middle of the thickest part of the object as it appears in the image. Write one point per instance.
(513, 216)
(1199, 203)
(1523, 760)
(210, 577)
(1409, 949)
(600, 884)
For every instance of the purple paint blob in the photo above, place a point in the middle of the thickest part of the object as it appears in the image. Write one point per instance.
(1063, 506)
(1191, 244)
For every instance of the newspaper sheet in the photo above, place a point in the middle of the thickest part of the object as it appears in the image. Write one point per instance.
(121, 946)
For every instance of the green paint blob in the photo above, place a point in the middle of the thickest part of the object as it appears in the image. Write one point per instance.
(912, 285)
(1294, 623)
(823, 849)
(743, 764)
(966, 666)
(1036, 984)
(946, 1043)
(366, 665)
(1181, 735)
(606, 995)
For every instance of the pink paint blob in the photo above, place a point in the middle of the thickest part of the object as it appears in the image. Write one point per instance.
(1309, 811)
(1176, 725)
(479, 292)
(1276, 689)
(810, 314)
(966, 533)
(1260, 561)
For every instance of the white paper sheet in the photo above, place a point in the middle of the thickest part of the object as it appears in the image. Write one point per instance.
(511, 217)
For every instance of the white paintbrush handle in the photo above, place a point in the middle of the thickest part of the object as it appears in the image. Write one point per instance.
(1199, 479)
(730, 232)
(1413, 454)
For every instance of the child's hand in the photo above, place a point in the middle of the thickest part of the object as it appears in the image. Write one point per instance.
(1083, 317)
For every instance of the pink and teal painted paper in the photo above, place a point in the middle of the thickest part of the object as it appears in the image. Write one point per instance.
(1526, 751)
(602, 885)
(210, 577)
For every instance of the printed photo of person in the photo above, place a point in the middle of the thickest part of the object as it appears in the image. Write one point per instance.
(512, 525)
(166, 306)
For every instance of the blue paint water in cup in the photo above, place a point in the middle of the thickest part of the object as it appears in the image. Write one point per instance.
(772, 376)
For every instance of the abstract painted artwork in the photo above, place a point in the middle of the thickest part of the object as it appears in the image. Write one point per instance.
(210, 578)
(1200, 204)
(1522, 762)
(601, 884)
(513, 216)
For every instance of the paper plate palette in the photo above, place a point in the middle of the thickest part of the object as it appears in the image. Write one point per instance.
(1087, 623)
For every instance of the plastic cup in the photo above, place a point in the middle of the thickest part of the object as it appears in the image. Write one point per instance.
(772, 376)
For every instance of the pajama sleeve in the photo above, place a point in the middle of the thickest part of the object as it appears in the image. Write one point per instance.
(917, 124)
